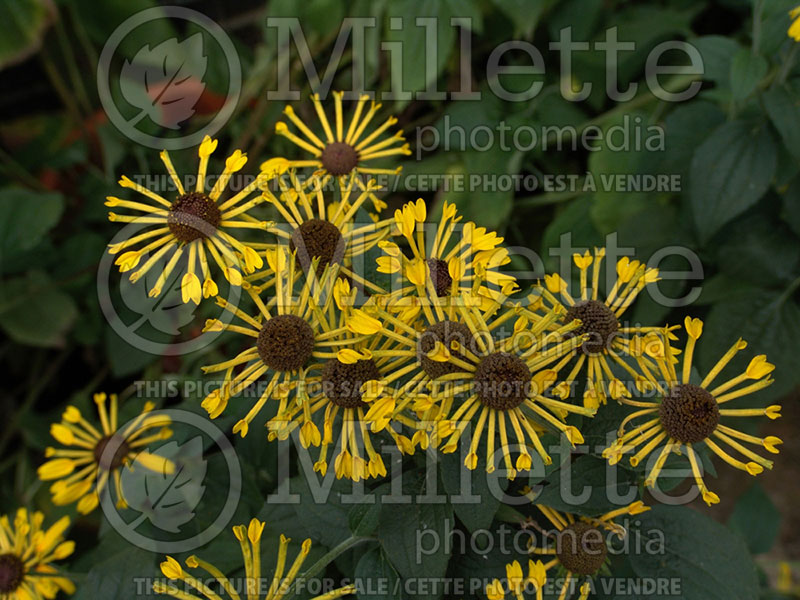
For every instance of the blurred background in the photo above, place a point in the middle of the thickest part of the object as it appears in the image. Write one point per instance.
(735, 147)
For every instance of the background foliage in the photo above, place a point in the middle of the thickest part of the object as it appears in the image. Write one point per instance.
(736, 146)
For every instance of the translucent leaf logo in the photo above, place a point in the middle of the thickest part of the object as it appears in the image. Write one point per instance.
(166, 312)
(165, 81)
(167, 499)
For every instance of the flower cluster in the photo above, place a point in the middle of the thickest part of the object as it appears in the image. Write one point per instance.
(439, 347)
(362, 328)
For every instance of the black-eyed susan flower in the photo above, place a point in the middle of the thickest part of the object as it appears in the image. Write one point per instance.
(579, 548)
(318, 228)
(287, 332)
(607, 338)
(91, 456)
(504, 383)
(448, 261)
(27, 554)
(344, 147)
(794, 28)
(518, 584)
(257, 585)
(197, 226)
(688, 414)
(359, 385)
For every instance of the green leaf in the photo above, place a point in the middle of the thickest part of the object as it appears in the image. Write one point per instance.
(124, 358)
(747, 70)
(756, 519)
(123, 575)
(717, 52)
(333, 513)
(612, 158)
(585, 486)
(730, 171)
(574, 221)
(24, 22)
(783, 107)
(708, 561)
(479, 512)
(523, 14)
(415, 538)
(364, 518)
(770, 322)
(376, 577)
(687, 126)
(759, 249)
(413, 76)
(34, 311)
(25, 217)
(791, 206)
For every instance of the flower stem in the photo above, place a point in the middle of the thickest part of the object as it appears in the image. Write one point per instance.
(323, 562)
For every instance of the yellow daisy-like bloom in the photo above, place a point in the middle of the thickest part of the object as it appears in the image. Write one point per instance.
(277, 586)
(83, 466)
(794, 28)
(456, 263)
(196, 224)
(606, 337)
(688, 414)
(359, 383)
(322, 230)
(518, 583)
(347, 147)
(27, 554)
(505, 381)
(580, 548)
(287, 333)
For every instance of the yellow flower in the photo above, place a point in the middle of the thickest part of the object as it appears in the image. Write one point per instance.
(504, 379)
(606, 337)
(580, 547)
(344, 148)
(320, 230)
(91, 456)
(449, 263)
(357, 383)
(287, 333)
(27, 554)
(192, 227)
(794, 28)
(688, 414)
(277, 584)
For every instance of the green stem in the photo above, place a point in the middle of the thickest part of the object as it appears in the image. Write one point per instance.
(58, 84)
(16, 171)
(72, 66)
(757, 9)
(789, 291)
(37, 385)
(323, 562)
(788, 64)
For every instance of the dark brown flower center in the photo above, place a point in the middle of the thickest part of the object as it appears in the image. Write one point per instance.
(342, 381)
(285, 343)
(108, 461)
(192, 216)
(440, 276)
(12, 572)
(598, 321)
(317, 238)
(581, 548)
(689, 413)
(339, 158)
(445, 332)
(502, 381)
